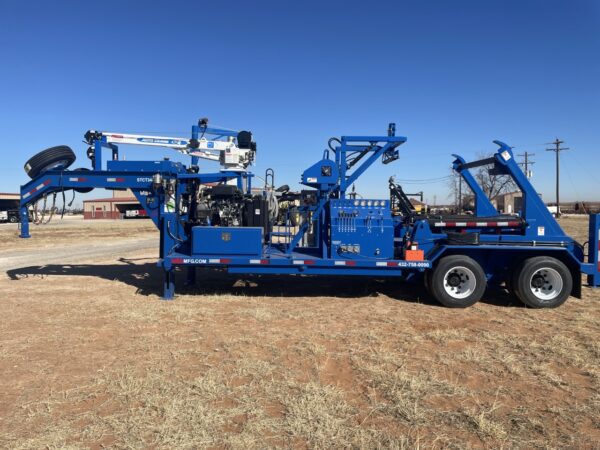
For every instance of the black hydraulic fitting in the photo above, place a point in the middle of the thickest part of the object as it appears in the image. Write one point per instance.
(91, 135)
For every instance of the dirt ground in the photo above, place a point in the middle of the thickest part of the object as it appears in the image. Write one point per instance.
(91, 358)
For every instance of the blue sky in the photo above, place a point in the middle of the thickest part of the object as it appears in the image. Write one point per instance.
(453, 75)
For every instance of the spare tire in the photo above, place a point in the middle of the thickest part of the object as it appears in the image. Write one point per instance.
(59, 157)
(83, 190)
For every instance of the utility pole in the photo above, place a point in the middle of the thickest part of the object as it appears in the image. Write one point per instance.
(557, 149)
(526, 163)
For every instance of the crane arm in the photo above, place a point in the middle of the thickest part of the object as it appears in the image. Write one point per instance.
(224, 151)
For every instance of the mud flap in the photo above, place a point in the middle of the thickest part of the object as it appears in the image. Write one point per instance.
(576, 290)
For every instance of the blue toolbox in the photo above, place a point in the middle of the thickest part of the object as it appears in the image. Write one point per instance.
(229, 241)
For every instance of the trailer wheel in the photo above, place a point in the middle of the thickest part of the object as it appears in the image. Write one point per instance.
(13, 219)
(457, 281)
(542, 282)
(427, 280)
(59, 157)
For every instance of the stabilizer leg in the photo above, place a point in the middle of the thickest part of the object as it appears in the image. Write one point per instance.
(24, 216)
(169, 285)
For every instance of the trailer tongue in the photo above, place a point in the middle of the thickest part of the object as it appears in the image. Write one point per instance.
(217, 220)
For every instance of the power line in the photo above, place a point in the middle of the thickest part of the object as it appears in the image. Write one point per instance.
(566, 166)
(527, 162)
(424, 180)
(557, 149)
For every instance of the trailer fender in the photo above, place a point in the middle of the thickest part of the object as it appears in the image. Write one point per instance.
(576, 275)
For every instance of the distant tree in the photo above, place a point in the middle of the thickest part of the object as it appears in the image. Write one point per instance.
(492, 185)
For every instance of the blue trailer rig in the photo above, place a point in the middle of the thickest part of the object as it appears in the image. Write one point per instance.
(217, 220)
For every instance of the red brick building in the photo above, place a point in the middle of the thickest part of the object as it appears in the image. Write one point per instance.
(114, 207)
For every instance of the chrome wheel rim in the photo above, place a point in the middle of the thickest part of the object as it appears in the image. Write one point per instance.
(56, 165)
(459, 282)
(546, 284)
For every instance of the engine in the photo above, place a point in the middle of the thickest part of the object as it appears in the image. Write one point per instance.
(226, 206)
(220, 205)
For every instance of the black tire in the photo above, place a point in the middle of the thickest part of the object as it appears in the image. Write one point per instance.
(542, 282)
(83, 190)
(469, 277)
(59, 157)
(427, 281)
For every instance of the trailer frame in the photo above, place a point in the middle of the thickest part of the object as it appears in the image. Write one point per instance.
(162, 187)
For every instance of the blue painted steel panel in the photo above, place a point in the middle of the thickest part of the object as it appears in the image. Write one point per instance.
(275, 270)
(299, 262)
(145, 166)
(361, 229)
(228, 241)
(321, 174)
(594, 250)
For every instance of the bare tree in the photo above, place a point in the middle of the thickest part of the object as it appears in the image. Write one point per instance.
(492, 185)
(459, 193)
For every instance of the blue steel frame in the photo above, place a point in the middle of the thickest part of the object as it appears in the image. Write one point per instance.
(335, 186)
(483, 206)
(540, 233)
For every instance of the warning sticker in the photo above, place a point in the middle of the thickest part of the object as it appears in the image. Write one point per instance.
(541, 231)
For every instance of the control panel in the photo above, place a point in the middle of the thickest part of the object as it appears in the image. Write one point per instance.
(361, 228)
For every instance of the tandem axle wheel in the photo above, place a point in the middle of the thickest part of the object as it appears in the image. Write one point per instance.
(456, 281)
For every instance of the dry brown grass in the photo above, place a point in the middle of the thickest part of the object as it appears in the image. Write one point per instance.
(91, 358)
(73, 231)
